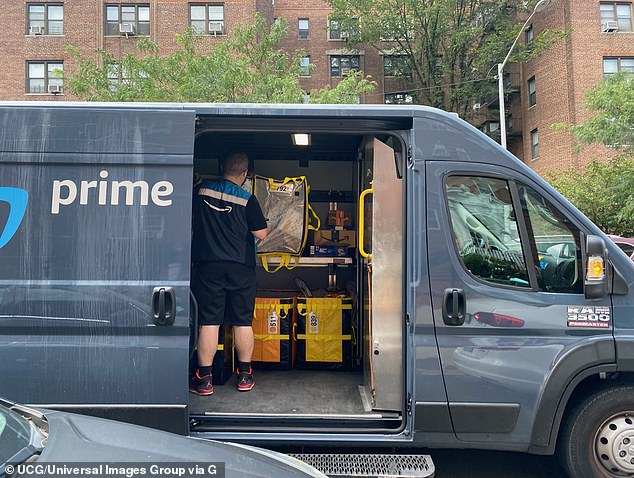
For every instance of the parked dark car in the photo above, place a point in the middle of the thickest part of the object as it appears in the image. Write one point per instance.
(626, 244)
(44, 436)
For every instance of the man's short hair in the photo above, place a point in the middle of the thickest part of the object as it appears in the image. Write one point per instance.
(235, 164)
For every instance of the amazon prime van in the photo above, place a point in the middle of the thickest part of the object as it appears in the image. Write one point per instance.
(485, 310)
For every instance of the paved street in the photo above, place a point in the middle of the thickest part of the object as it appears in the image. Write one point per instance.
(488, 464)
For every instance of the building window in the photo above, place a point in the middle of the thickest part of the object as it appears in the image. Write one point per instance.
(611, 66)
(534, 144)
(303, 27)
(398, 99)
(532, 95)
(530, 34)
(335, 32)
(490, 127)
(342, 65)
(395, 65)
(616, 17)
(44, 76)
(304, 66)
(207, 18)
(127, 20)
(118, 74)
(45, 19)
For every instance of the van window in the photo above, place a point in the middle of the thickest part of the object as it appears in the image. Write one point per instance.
(555, 242)
(485, 230)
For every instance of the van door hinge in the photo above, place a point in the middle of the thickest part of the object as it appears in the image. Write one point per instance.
(409, 404)
(410, 158)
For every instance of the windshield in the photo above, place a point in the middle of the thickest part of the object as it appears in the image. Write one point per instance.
(15, 434)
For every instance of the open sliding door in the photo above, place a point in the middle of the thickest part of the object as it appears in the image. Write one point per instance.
(382, 223)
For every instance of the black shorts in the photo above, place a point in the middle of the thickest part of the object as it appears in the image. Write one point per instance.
(225, 293)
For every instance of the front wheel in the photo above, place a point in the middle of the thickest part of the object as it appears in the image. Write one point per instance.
(597, 439)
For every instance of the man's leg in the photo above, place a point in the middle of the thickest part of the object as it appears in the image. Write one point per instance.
(207, 345)
(244, 342)
(202, 382)
(244, 345)
(207, 285)
(240, 305)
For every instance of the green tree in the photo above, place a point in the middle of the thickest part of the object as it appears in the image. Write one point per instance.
(604, 191)
(449, 46)
(249, 67)
(612, 102)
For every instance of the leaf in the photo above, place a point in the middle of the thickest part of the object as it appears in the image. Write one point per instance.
(249, 66)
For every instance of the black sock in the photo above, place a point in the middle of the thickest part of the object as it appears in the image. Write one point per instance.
(204, 371)
(244, 366)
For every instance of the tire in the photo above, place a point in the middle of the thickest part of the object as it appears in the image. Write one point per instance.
(597, 439)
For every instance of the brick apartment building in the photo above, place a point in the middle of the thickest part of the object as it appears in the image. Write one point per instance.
(551, 87)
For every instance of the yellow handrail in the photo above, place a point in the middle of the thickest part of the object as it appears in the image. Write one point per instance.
(361, 224)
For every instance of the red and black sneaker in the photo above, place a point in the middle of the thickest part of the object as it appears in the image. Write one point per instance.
(201, 385)
(245, 380)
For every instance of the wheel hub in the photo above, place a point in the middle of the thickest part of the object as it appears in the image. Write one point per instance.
(614, 444)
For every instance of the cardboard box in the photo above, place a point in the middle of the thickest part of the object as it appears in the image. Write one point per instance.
(329, 251)
(335, 238)
(339, 218)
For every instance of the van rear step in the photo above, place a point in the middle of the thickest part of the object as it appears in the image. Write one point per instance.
(370, 465)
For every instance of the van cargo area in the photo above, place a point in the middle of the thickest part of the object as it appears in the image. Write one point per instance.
(343, 384)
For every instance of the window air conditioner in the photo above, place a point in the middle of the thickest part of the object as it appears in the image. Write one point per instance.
(344, 35)
(36, 30)
(215, 27)
(55, 89)
(345, 71)
(610, 26)
(127, 29)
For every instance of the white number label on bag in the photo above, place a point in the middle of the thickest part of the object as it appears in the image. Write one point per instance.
(273, 323)
(287, 188)
(313, 323)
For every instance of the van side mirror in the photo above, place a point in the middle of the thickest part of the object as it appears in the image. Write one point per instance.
(595, 284)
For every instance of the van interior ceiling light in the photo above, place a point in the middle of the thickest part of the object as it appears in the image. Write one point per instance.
(596, 270)
(301, 139)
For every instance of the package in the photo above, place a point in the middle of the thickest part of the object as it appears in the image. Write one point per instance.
(324, 334)
(288, 215)
(223, 364)
(272, 325)
(338, 218)
(335, 238)
(329, 251)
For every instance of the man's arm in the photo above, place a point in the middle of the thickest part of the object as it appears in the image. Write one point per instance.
(256, 220)
(261, 234)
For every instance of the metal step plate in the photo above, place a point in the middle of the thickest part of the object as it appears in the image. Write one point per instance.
(370, 465)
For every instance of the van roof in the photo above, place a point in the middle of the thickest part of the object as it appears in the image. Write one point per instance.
(263, 109)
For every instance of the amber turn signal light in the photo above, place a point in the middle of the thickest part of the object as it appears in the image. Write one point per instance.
(595, 269)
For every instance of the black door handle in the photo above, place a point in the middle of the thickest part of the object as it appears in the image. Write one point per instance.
(163, 306)
(454, 307)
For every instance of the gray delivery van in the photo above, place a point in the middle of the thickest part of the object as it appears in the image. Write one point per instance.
(487, 312)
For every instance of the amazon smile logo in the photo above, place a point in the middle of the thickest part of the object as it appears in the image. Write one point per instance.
(219, 209)
(17, 199)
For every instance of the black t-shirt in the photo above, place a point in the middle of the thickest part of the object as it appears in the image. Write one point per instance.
(224, 215)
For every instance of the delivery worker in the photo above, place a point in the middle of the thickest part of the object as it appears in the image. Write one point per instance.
(226, 222)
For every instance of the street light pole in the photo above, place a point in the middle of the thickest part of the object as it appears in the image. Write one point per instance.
(538, 8)
(502, 106)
